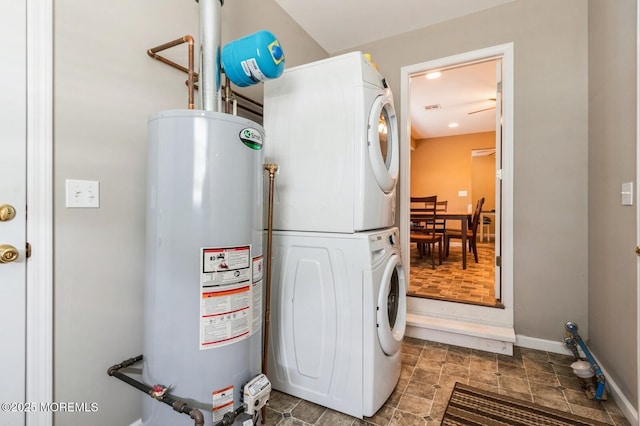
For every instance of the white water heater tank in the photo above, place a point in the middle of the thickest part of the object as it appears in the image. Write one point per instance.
(204, 264)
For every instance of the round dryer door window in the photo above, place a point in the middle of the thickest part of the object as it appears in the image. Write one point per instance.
(384, 149)
(391, 311)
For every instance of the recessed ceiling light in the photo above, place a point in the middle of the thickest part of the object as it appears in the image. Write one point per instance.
(454, 124)
(433, 75)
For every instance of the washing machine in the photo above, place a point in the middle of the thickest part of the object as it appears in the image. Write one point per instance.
(331, 127)
(338, 317)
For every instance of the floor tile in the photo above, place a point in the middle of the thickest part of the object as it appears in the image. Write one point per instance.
(429, 372)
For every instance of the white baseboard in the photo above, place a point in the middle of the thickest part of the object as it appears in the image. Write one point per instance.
(616, 394)
(543, 345)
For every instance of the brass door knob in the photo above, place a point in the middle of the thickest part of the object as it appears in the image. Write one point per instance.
(638, 250)
(8, 253)
(7, 212)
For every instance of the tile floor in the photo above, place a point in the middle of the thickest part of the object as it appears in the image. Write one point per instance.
(429, 372)
(449, 281)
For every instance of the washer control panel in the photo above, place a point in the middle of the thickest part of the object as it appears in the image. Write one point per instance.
(381, 242)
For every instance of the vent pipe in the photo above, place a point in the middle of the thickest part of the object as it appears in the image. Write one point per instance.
(210, 41)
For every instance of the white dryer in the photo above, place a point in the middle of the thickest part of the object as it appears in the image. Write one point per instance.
(331, 127)
(338, 317)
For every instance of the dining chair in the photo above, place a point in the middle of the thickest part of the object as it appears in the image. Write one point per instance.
(423, 227)
(441, 224)
(486, 228)
(417, 207)
(472, 232)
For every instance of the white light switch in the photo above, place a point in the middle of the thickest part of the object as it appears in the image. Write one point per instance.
(627, 194)
(83, 193)
(462, 193)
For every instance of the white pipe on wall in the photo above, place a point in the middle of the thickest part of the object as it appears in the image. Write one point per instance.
(210, 37)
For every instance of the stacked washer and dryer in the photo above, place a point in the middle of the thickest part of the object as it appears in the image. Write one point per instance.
(338, 296)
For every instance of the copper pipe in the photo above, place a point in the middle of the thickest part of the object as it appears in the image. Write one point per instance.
(272, 169)
(192, 75)
(227, 95)
(235, 96)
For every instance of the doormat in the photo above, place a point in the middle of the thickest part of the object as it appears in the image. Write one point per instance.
(470, 406)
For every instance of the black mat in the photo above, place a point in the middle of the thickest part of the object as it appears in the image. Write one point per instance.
(470, 406)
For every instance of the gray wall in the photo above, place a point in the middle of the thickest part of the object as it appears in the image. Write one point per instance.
(550, 145)
(574, 145)
(612, 161)
(105, 87)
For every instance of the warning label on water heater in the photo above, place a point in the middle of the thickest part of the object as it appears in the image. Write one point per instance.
(222, 403)
(226, 295)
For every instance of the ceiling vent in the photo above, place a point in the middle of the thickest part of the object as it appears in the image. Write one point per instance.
(434, 106)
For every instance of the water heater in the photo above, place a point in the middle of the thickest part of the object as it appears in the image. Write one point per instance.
(204, 265)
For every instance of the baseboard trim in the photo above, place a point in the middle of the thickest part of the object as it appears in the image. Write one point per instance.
(543, 345)
(137, 423)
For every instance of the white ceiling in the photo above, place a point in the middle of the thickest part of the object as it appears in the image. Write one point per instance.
(464, 95)
(343, 24)
(339, 25)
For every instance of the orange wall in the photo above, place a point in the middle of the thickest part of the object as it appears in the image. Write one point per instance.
(443, 166)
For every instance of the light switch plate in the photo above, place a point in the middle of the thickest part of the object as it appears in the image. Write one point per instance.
(627, 194)
(82, 193)
(462, 193)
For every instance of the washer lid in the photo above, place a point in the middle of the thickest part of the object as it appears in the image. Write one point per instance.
(382, 138)
(391, 311)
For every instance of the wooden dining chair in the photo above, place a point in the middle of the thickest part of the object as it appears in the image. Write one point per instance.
(472, 232)
(423, 228)
(441, 224)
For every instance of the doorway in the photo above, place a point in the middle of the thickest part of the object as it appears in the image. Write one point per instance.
(454, 113)
(453, 311)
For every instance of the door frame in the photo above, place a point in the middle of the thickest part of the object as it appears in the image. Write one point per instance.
(39, 330)
(638, 198)
(457, 312)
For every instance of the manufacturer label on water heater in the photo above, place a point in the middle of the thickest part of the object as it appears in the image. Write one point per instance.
(251, 138)
(226, 295)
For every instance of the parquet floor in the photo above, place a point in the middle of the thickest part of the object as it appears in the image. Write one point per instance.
(475, 285)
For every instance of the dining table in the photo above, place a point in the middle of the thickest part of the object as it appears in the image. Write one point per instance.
(419, 216)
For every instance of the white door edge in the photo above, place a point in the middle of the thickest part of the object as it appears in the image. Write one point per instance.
(498, 182)
(39, 362)
(506, 52)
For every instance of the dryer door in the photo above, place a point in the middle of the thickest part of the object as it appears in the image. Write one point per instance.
(391, 312)
(384, 147)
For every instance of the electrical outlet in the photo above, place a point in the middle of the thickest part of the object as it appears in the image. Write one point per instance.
(82, 193)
